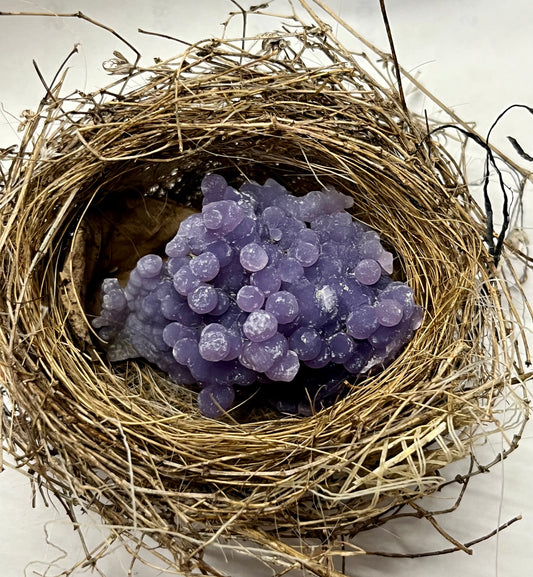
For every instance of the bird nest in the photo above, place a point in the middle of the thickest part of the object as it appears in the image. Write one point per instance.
(101, 179)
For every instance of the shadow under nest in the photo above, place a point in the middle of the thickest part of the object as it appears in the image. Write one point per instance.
(119, 174)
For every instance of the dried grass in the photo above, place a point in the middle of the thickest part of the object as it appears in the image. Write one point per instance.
(124, 442)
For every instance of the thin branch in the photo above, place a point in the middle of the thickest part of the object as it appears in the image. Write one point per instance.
(494, 250)
(43, 81)
(445, 534)
(81, 16)
(166, 36)
(244, 16)
(64, 63)
(451, 549)
(397, 68)
(528, 174)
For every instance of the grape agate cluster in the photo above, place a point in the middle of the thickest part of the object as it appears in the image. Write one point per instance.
(259, 288)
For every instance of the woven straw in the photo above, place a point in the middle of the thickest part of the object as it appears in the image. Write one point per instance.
(99, 180)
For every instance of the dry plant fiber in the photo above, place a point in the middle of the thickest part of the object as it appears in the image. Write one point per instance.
(101, 179)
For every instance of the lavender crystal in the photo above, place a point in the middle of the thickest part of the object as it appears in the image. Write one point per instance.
(263, 287)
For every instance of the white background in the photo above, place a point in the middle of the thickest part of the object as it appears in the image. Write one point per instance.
(475, 56)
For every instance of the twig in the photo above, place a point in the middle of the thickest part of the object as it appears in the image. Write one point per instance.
(520, 169)
(427, 515)
(451, 549)
(166, 36)
(494, 250)
(64, 63)
(397, 69)
(505, 209)
(244, 16)
(81, 16)
(54, 79)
